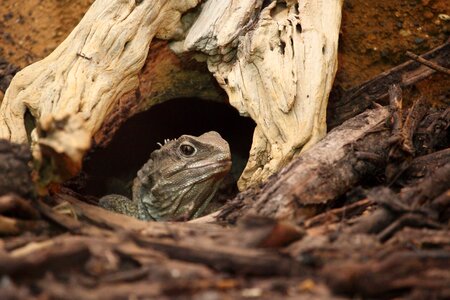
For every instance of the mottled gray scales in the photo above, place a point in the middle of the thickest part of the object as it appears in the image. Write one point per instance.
(178, 181)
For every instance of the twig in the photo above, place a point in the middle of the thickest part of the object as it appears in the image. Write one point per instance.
(407, 220)
(428, 63)
(415, 115)
(337, 214)
(395, 107)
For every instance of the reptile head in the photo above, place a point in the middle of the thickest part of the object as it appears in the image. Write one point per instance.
(182, 176)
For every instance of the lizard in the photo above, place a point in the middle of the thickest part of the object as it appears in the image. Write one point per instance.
(178, 181)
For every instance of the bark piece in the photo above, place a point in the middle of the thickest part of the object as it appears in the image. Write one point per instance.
(403, 128)
(428, 188)
(17, 216)
(15, 173)
(35, 261)
(212, 243)
(424, 165)
(228, 259)
(11, 226)
(402, 270)
(435, 135)
(420, 205)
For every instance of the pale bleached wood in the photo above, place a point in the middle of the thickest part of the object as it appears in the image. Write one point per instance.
(276, 63)
(280, 76)
(73, 89)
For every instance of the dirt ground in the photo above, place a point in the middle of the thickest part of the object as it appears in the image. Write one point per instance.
(374, 35)
(31, 29)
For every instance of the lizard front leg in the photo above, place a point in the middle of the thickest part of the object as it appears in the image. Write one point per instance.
(119, 204)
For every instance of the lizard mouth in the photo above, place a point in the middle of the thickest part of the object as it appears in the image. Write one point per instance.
(226, 163)
(222, 167)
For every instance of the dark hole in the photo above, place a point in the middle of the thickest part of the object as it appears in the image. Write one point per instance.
(125, 46)
(112, 169)
(30, 123)
(266, 3)
(282, 47)
(297, 10)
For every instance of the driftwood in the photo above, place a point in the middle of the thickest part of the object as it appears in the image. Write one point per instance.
(275, 61)
(265, 79)
(70, 92)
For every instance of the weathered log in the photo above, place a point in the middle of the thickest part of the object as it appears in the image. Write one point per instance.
(328, 169)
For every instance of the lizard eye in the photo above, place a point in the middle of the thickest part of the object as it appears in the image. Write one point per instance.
(187, 150)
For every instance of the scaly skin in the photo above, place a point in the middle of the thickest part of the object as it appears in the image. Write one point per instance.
(178, 181)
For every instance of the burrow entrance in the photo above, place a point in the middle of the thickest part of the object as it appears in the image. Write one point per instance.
(110, 170)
